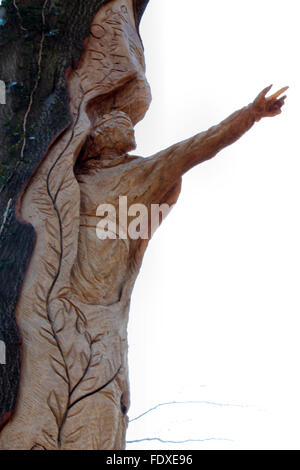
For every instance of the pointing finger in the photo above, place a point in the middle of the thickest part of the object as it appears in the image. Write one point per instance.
(278, 93)
(265, 90)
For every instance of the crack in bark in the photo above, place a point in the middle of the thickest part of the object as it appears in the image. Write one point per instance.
(39, 71)
(5, 216)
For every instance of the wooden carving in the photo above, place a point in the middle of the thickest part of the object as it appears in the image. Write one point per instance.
(73, 309)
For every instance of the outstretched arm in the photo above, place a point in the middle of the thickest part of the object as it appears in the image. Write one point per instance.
(179, 158)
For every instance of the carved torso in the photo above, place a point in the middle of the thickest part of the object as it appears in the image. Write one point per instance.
(103, 266)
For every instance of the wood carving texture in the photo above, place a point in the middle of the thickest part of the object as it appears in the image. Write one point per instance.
(73, 308)
(74, 385)
(49, 115)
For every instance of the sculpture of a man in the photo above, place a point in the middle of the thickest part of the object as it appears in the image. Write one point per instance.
(105, 172)
(74, 305)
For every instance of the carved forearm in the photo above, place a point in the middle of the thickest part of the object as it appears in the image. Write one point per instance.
(181, 157)
(208, 144)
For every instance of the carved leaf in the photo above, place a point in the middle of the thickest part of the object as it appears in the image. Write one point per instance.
(68, 307)
(51, 270)
(59, 368)
(67, 183)
(89, 383)
(71, 357)
(68, 252)
(68, 233)
(59, 321)
(63, 291)
(49, 438)
(40, 292)
(51, 229)
(56, 251)
(46, 334)
(80, 326)
(74, 435)
(55, 407)
(69, 245)
(47, 212)
(75, 411)
(98, 338)
(64, 211)
(81, 315)
(97, 358)
(88, 337)
(40, 312)
(38, 447)
(84, 359)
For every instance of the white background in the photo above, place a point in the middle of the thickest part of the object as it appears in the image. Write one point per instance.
(215, 310)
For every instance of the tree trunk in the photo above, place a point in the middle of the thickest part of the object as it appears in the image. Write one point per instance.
(40, 41)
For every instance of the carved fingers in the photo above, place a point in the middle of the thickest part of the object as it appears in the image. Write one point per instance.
(269, 106)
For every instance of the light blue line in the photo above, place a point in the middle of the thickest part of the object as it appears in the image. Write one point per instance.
(211, 403)
(179, 442)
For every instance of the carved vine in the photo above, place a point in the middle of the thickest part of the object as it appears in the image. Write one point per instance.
(75, 365)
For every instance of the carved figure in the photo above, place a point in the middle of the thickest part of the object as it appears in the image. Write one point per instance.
(73, 311)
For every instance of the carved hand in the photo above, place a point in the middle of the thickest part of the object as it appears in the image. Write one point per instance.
(268, 107)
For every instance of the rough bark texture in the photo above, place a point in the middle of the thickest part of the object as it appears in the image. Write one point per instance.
(40, 40)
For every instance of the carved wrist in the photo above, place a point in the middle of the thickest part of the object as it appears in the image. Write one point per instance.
(257, 111)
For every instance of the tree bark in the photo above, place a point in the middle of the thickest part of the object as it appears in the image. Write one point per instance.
(39, 41)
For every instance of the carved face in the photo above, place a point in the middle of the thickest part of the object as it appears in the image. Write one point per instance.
(123, 136)
(117, 134)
